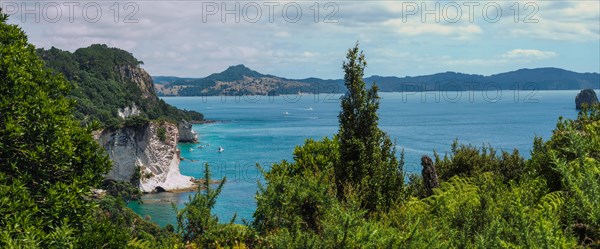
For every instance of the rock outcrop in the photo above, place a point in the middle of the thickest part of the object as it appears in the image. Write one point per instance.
(140, 77)
(149, 153)
(187, 133)
(586, 96)
(430, 178)
(128, 111)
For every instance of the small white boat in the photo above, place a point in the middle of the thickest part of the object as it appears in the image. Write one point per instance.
(220, 149)
(286, 113)
(191, 149)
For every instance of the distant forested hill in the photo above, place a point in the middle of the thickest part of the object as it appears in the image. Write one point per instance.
(240, 80)
(108, 86)
(538, 78)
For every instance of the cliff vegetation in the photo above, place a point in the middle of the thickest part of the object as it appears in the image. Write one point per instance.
(109, 87)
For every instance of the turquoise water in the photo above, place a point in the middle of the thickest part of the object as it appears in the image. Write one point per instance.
(264, 130)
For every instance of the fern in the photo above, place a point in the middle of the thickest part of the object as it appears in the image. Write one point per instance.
(139, 244)
(551, 203)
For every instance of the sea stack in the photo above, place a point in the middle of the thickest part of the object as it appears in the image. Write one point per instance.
(187, 133)
(586, 96)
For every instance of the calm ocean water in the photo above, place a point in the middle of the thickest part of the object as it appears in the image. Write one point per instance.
(264, 130)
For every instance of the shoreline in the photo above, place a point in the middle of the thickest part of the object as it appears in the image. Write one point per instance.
(206, 121)
(197, 185)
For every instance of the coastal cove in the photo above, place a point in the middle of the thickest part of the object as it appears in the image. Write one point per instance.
(144, 130)
(265, 129)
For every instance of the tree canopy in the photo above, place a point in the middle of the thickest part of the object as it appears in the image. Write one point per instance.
(104, 80)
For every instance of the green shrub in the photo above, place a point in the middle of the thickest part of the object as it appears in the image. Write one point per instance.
(161, 132)
(467, 160)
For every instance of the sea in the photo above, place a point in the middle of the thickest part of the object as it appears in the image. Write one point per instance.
(262, 130)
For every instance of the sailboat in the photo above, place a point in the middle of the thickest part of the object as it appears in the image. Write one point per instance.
(220, 149)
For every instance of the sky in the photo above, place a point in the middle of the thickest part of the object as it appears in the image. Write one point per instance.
(300, 39)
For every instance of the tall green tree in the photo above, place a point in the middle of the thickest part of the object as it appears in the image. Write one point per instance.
(40, 140)
(196, 220)
(367, 154)
(48, 162)
(198, 225)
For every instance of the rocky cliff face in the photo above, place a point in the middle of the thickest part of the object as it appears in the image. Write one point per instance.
(150, 150)
(144, 82)
(139, 77)
(186, 133)
(586, 96)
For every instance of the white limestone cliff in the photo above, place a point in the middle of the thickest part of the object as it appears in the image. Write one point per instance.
(146, 149)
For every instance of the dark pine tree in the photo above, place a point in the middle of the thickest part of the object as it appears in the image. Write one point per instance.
(368, 162)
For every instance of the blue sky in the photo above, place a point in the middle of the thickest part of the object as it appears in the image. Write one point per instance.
(197, 38)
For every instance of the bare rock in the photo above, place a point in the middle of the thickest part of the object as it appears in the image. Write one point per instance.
(430, 178)
(187, 133)
(586, 96)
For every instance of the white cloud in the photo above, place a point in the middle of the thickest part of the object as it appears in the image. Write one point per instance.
(528, 54)
(577, 21)
(172, 39)
(516, 56)
(308, 54)
(282, 34)
(582, 9)
(414, 29)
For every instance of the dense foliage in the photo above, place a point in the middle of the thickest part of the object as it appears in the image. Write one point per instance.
(49, 163)
(343, 192)
(484, 199)
(105, 80)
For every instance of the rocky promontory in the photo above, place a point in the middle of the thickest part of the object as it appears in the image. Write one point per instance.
(147, 152)
(586, 96)
(114, 91)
